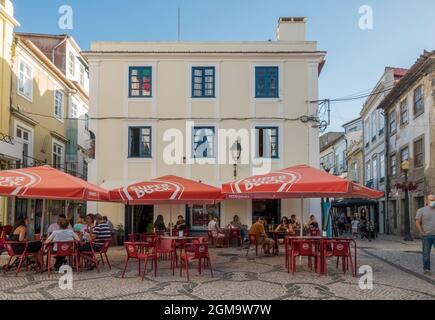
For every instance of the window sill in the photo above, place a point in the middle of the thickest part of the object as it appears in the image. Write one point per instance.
(140, 99)
(418, 114)
(266, 99)
(202, 99)
(30, 99)
(58, 119)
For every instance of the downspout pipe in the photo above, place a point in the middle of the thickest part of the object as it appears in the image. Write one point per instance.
(387, 167)
(57, 46)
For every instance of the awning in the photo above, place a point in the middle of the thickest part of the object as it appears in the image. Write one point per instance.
(297, 182)
(167, 190)
(48, 183)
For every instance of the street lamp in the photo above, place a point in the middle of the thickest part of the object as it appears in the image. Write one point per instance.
(236, 150)
(406, 187)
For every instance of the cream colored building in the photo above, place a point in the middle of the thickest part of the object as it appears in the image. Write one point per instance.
(140, 91)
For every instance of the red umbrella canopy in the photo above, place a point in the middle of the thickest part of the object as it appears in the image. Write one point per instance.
(167, 189)
(296, 182)
(48, 183)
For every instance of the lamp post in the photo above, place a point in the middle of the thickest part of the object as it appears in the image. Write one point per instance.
(406, 187)
(236, 150)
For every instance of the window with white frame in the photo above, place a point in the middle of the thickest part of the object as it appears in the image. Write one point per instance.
(404, 114)
(74, 110)
(355, 172)
(71, 63)
(58, 104)
(375, 172)
(203, 144)
(381, 167)
(82, 75)
(393, 123)
(418, 101)
(368, 171)
(381, 122)
(367, 131)
(267, 142)
(57, 156)
(374, 125)
(25, 80)
(24, 137)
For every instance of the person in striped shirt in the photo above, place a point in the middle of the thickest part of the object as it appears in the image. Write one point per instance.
(101, 231)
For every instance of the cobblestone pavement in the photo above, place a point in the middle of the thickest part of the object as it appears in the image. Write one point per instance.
(396, 271)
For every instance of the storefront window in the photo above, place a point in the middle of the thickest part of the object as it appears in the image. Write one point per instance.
(200, 216)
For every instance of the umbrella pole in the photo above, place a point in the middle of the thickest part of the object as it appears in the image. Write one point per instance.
(42, 218)
(302, 216)
(170, 220)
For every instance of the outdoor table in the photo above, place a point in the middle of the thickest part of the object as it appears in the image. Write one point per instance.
(322, 241)
(181, 241)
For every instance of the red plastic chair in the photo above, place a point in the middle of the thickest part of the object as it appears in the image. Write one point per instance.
(10, 248)
(134, 251)
(304, 248)
(148, 237)
(63, 249)
(253, 241)
(7, 229)
(340, 249)
(235, 233)
(167, 247)
(90, 255)
(195, 251)
(314, 232)
(133, 237)
(103, 252)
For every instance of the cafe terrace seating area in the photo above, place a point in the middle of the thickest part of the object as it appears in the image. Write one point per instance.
(180, 250)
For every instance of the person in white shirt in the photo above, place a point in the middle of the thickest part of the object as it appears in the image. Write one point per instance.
(214, 228)
(56, 226)
(355, 225)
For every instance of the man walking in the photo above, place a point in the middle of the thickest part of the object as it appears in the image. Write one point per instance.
(425, 222)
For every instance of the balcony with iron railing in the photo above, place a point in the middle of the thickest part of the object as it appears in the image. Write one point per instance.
(28, 162)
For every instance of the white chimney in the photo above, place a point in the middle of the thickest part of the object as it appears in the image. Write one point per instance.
(291, 29)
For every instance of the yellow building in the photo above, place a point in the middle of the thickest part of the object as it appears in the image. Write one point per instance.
(41, 96)
(9, 150)
(141, 93)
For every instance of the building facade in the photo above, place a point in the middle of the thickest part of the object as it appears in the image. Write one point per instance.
(42, 98)
(333, 153)
(10, 151)
(354, 153)
(142, 92)
(410, 136)
(373, 123)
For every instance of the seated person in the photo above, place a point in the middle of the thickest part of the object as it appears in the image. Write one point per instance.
(62, 235)
(56, 226)
(159, 224)
(180, 224)
(294, 222)
(312, 222)
(236, 224)
(258, 230)
(284, 226)
(19, 234)
(214, 228)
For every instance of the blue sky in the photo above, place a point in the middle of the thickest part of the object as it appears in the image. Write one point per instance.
(355, 61)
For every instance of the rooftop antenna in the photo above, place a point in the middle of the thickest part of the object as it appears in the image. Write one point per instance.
(179, 23)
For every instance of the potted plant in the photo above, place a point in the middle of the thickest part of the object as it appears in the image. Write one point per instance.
(120, 234)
